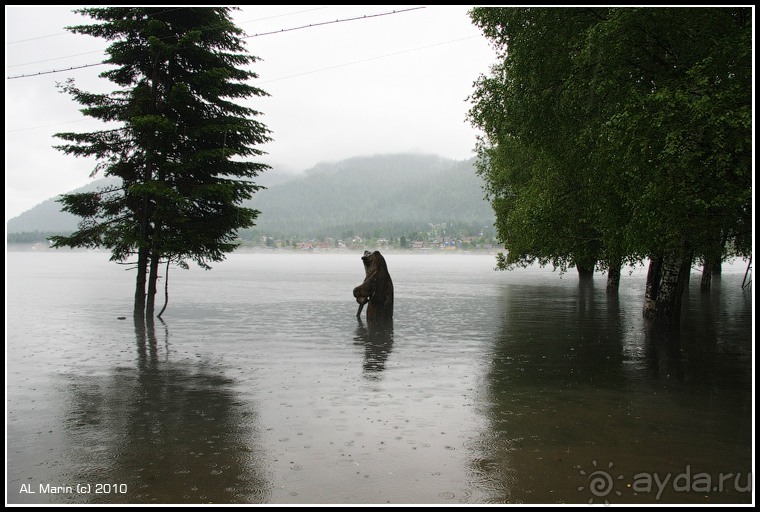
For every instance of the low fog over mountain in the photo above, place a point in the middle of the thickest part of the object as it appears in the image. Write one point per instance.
(392, 193)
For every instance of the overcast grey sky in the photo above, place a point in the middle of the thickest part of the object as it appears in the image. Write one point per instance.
(381, 84)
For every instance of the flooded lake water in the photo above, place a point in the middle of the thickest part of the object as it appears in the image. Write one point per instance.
(261, 387)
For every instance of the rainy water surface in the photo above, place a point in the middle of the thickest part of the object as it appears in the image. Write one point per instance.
(261, 386)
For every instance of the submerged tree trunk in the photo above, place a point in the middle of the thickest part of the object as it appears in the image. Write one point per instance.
(613, 276)
(166, 288)
(142, 210)
(155, 261)
(675, 272)
(717, 264)
(142, 264)
(585, 270)
(652, 286)
(713, 262)
(747, 279)
(150, 305)
(686, 273)
(707, 273)
(712, 267)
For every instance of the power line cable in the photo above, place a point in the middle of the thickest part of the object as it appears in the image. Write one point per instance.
(56, 71)
(100, 51)
(65, 33)
(305, 72)
(36, 38)
(55, 58)
(311, 25)
(247, 21)
(377, 57)
(288, 76)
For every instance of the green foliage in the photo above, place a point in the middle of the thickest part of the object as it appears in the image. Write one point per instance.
(615, 133)
(536, 171)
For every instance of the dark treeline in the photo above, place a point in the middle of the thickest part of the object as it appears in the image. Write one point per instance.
(619, 135)
(33, 237)
(372, 231)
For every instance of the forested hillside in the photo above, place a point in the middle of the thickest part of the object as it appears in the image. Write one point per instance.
(395, 194)
(391, 195)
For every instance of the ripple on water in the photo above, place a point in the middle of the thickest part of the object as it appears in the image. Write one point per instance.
(260, 368)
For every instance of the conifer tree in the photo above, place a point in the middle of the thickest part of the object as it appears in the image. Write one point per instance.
(182, 146)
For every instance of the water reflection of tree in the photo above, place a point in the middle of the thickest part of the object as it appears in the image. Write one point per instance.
(559, 337)
(377, 340)
(553, 342)
(564, 391)
(172, 432)
(723, 359)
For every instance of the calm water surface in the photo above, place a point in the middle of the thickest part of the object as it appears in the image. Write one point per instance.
(261, 386)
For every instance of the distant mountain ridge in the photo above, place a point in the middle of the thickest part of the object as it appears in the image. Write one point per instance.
(386, 192)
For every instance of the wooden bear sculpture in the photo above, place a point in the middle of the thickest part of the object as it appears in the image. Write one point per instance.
(376, 290)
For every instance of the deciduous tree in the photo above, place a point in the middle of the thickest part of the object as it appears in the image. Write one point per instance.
(618, 134)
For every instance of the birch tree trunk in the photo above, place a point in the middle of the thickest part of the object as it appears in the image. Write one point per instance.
(675, 272)
(652, 286)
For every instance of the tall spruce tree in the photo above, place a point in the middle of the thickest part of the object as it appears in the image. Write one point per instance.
(182, 146)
